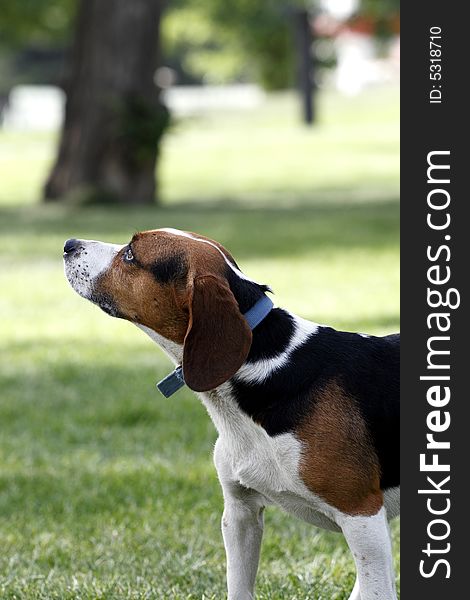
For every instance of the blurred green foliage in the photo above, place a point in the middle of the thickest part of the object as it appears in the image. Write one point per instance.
(33, 35)
(381, 8)
(233, 40)
(214, 41)
(33, 22)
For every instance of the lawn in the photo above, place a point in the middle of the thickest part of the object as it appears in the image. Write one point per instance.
(107, 490)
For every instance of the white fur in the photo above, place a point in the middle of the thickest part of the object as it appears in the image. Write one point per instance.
(242, 531)
(88, 262)
(257, 372)
(369, 541)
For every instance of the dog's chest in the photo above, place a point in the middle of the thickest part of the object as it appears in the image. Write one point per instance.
(245, 454)
(270, 467)
(248, 454)
(267, 465)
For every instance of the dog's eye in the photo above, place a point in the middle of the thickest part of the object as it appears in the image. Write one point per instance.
(128, 256)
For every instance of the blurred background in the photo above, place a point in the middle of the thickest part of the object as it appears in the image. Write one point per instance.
(270, 126)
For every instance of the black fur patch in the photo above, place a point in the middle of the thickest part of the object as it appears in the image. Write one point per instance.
(274, 331)
(169, 269)
(272, 335)
(246, 292)
(366, 367)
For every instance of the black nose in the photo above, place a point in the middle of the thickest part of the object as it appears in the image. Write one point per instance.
(71, 245)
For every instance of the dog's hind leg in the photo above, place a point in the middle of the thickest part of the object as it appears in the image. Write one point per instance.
(369, 541)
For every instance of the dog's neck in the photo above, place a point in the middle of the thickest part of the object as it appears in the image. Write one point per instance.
(269, 337)
(172, 349)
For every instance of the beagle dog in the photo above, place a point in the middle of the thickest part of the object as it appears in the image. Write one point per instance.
(307, 417)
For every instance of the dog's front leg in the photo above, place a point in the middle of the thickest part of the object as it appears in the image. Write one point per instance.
(242, 530)
(369, 541)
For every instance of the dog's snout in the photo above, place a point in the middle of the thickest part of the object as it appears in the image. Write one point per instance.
(71, 245)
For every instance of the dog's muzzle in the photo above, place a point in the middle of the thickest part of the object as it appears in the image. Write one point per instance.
(84, 262)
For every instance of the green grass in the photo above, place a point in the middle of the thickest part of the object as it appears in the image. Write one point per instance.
(106, 489)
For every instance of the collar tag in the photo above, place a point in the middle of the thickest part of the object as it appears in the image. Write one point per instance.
(172, 382)
(175, 380)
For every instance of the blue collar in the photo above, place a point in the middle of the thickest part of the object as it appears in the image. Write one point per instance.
(175, 380)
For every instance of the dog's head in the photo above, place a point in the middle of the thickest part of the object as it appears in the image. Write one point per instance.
(182, 286)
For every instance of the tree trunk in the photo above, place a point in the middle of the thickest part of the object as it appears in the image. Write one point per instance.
(113, 117)
(304, 40)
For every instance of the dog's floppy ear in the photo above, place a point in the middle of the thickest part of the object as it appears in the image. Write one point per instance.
(218, 337)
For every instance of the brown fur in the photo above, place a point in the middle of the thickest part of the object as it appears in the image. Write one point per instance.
(141, 299)
(339, 463)
(198, 310)
(218, 338)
